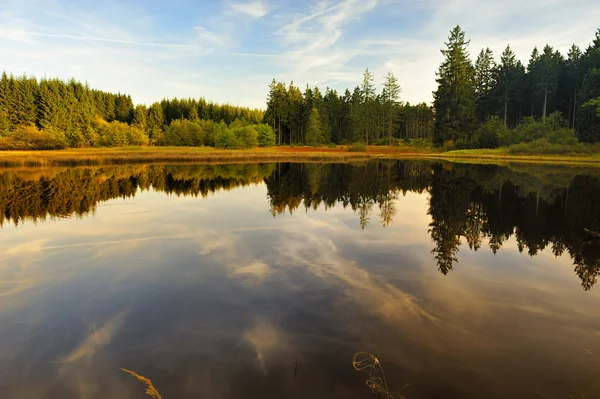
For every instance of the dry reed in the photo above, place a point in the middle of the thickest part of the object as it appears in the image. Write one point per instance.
(363, 361)
(150, 390)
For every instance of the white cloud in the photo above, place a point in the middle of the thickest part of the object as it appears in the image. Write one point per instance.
(255, 9)
(231, 53)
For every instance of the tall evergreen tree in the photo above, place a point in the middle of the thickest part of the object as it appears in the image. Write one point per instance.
(509, 78)
(484, 83)
(454, 99)
(391, 98)
(367, 116)
(314, 131)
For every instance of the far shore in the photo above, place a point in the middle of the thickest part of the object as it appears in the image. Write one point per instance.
(130, 155)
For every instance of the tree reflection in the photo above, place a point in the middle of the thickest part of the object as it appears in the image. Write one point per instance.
(539, 206)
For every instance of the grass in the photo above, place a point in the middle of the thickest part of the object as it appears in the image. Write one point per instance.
(504, 154)
(150, 389)
(131, 155)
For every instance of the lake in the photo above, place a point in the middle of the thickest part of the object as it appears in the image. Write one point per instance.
(263, 280)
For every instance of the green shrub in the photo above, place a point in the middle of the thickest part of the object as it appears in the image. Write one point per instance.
(225, 138)
(386, 141)
(489, 132)
(30, 138)
(448, 146)
(237, 123)
(562, 136)
(120, 134)
(419, 142)
(247, 137)
(331, 145)
(357, 147)
(543, 146)
(184, 133)
(266, 135)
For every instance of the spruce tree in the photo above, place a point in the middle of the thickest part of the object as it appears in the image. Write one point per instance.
(454, 100)
(367, 111)
(391, 98)
(314, 131)
(484, 83)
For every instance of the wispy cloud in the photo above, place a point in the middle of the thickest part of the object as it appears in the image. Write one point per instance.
(255, 9)
(229, 51)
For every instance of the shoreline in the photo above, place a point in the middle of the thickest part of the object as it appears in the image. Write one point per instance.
(137, 155)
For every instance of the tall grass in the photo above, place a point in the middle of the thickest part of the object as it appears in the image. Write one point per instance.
(150, 389)
(89, 157)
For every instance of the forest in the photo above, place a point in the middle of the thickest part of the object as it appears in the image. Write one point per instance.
(554, 100)
(483, 104)
(478, 206)
(52, 114)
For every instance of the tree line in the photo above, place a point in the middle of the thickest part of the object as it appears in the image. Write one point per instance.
(501, 102)
(51, 113)
(314, 118)
(554, 99)
(472, 206)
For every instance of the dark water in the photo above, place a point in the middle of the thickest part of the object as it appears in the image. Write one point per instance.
(466, 281)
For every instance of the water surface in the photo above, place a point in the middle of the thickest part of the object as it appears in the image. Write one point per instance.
(214, 280)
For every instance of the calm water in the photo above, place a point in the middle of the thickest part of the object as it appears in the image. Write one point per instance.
(466, 281)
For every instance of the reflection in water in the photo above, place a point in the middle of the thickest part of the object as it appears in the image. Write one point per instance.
(221, 296)
(540, 206)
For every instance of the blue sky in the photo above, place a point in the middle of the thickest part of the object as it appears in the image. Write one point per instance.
(228, 51)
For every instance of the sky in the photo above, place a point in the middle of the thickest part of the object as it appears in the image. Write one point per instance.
(228, 51)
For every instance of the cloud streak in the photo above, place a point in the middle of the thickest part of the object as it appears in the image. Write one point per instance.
(230, 51)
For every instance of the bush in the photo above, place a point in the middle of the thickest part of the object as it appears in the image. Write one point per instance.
(357, 147)
(237, 123)
(465, 143)
(209, 130)
(120, 134)
(489, 132)
(448, 146)
(184, 133)
(543, 146)
(30, 138)
(266, 135)
(386, 141)
(419, 142)
(247, 137)
(225, 138)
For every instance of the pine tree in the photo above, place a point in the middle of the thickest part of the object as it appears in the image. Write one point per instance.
(573, 76)
(391, 98)
(140, 116)
(155, 122)
(367, 114)
(484, 83)
(454, 100)
(509, 76)
(314, 131)
(294, 112)
(545, 75)
(4, 123)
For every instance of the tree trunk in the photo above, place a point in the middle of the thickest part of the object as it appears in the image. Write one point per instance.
(505, 109)
(545, 103)
(574, 107)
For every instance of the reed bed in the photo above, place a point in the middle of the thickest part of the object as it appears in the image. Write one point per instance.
(89, 157)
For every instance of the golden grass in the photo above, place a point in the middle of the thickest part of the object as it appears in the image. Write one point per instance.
(131, 155)
(150, 390)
